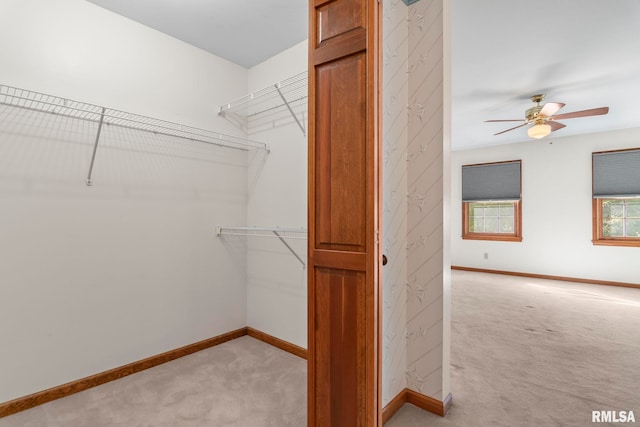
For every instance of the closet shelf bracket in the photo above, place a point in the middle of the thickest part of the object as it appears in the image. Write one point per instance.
(295, 117)
(280, 233)
(95, 147)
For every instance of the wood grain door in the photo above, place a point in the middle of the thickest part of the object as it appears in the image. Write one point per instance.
(344, 214)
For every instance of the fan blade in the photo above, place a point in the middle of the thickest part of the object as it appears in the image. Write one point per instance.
(550, 108)
(519, 126)
(512, 120)
(583, 113)
(554, 125)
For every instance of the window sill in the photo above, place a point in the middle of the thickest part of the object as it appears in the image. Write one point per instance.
(496, 237)
(617, 242)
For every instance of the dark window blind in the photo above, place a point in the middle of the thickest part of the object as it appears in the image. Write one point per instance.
(616, 174)
(494, 181)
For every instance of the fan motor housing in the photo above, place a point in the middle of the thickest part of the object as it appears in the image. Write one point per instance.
(533, 112)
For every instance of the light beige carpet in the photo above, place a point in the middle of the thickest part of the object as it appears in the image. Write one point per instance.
(241, 383)
(524, 353)
(538, 353)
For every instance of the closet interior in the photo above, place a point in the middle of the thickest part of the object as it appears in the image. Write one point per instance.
(153, 194)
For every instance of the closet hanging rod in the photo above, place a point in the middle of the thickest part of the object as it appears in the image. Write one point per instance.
(40, 102)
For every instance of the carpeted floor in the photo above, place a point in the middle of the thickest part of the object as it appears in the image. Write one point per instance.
(528, 352)
(524, 352)
(241, 383)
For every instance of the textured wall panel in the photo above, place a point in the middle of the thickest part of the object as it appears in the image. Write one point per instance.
(395, 98)
(425, 199)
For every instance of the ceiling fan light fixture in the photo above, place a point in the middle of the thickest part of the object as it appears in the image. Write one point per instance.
(544, 118)
(539, 131)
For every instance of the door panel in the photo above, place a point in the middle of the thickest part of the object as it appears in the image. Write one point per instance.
(338, 17)
(339, 301)
(344, 214)
(340, 154)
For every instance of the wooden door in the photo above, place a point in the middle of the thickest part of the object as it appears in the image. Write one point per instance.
(344, 214)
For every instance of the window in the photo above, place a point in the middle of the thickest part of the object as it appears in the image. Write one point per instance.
(488, 217)
(491, 201)
(616, 198)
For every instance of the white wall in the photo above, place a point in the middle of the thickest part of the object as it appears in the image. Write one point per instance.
(277, 281)
(92, 278)
(556, 217)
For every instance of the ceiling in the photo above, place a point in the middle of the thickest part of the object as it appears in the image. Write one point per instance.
(245, 32)
(584, 53)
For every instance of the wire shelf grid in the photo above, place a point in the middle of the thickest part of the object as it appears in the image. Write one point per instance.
(289, 95)
(289, 233)
(65, 107)
(294, 88)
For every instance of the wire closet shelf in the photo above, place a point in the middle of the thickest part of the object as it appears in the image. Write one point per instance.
(103, 116)
(291, 93)
(41, 102)
(276, 232)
